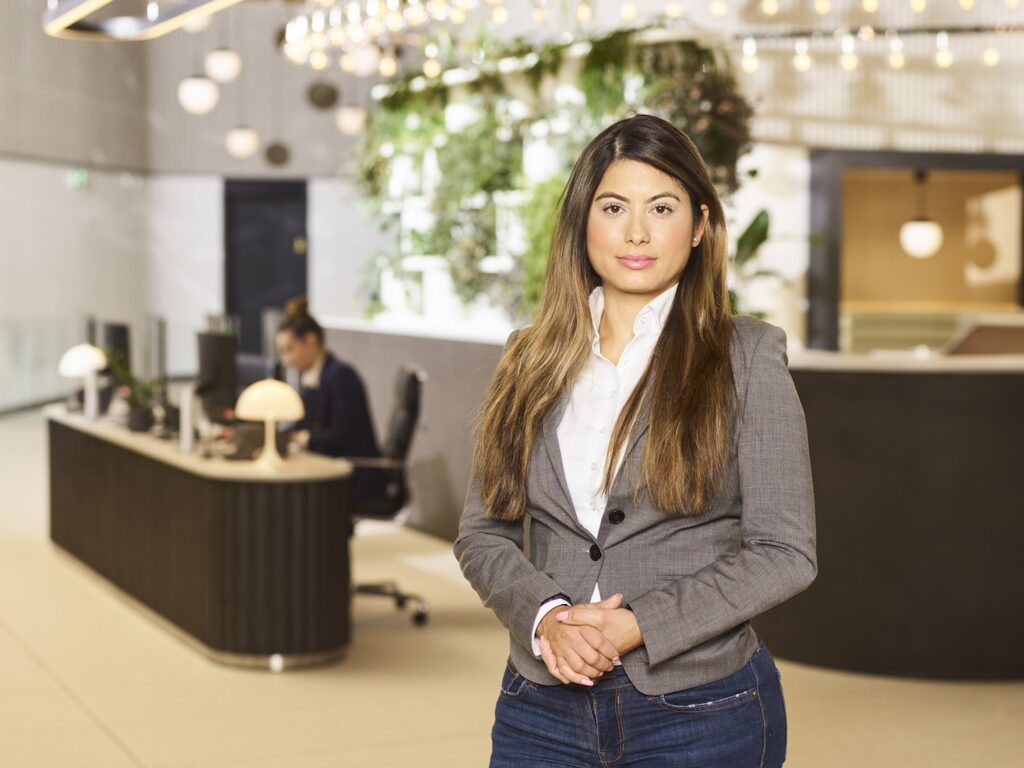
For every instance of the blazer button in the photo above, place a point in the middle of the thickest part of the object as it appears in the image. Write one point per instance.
(595, 552)
(616, 516)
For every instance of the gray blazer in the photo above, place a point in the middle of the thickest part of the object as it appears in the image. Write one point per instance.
(693, 583)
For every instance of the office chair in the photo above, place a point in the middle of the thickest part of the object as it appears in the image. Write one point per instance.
(392, 462)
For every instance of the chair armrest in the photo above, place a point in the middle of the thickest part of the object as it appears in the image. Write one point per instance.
(374, 462)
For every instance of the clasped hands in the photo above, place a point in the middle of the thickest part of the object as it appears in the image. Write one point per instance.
(579, 643)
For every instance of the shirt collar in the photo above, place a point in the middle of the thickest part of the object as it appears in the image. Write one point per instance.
(650, 319)
(311, 378)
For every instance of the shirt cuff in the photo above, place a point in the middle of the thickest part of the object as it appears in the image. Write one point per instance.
(547, 606)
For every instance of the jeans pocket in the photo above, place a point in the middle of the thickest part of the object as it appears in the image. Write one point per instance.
(728, 692)
(686, 702)
(512, 683)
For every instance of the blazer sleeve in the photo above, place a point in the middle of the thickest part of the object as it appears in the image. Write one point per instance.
(777, 556)
(343, 434)
(490, 554)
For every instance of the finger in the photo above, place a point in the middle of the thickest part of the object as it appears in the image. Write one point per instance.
(550, 661)
(582, 614)
(580, 666)
(575, 677)
(600, 644)
(610, 603)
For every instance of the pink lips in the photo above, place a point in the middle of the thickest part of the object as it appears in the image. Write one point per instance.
(635, 262)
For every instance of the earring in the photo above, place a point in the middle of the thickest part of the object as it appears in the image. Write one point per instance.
(696, 240)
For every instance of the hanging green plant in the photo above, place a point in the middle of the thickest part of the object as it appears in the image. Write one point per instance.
(621, 73)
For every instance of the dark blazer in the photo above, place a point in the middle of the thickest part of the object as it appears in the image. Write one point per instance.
(694, 583)
(339, 423)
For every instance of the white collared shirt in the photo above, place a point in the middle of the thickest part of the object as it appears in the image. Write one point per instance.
(311, 378)
(595, 402)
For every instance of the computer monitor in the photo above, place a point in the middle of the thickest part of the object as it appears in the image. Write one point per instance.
(250, 368)
(117, 339)
(216, 384)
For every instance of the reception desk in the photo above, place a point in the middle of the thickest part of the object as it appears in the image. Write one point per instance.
(252, 569)
(917, 468)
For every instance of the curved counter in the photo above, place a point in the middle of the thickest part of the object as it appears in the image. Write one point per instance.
(917, 467)
(250, 568)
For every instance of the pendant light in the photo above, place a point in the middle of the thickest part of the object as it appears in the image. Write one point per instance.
(198, 94)
(223, 65)
(921, 237)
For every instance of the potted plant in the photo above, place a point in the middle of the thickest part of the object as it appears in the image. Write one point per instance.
(140, 395)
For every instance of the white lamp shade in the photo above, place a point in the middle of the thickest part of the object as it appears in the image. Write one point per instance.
(81, 360)
(242, 142)
(269, 400)
(198, 94)
(350, 119)
(921, 238)
(366, 59)
(223, 65)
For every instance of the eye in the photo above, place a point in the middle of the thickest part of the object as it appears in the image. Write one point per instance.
(608, 208)
(663, 209)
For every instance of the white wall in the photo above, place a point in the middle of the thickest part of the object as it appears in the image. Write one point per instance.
(184, 252)
(67, 255)
(342, 239)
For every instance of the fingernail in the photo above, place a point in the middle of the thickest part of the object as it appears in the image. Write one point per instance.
(562, 616)
(615, 658)
(588, 681)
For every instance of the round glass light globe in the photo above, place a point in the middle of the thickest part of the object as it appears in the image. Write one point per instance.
(242, 142)
(223, 65)
(198, 95)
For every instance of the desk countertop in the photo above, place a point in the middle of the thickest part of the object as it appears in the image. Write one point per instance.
(298, 468)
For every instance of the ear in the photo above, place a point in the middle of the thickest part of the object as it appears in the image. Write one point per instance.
(705, 214)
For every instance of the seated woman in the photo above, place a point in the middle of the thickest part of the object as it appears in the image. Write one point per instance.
(338, 420)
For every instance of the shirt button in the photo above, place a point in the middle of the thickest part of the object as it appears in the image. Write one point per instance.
(595, 552)
(616, 516)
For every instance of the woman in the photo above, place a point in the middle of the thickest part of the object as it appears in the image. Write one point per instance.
(629, 612)
(338, 420)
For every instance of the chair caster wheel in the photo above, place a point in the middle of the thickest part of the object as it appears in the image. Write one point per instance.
(400, 603)
(419, 618)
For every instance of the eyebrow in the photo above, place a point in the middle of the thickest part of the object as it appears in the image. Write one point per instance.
(651, 199)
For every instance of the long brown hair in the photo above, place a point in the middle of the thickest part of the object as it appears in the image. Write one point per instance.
(689, 379)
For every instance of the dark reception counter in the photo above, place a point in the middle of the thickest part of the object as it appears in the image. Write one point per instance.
(918, 468)
(251, 569)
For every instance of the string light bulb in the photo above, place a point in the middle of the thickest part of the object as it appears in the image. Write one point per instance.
(943, 56)
(769, 7)
(801, 59)
(673, 9)
(584, 13)
(896, 56)
(918, 6)
(718, 8)
(499, 14)
(870, 6)
(822, 6)
(749, 61)
(628, 11)
(990, 56)
(967, 4)
(848, 58)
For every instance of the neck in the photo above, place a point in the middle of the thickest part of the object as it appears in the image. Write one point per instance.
(620, 311)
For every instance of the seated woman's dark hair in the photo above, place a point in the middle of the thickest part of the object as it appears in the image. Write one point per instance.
(298, 321)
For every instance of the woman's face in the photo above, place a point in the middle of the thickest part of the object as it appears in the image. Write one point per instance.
(640, 229)
(299, 352)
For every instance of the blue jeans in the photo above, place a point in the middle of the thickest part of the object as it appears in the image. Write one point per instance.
(736, 722)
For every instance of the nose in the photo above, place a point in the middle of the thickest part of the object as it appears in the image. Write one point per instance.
(636, 230)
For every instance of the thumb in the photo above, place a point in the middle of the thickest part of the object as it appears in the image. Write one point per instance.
(611, 602)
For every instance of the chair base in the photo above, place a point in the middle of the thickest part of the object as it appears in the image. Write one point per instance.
(390, 590)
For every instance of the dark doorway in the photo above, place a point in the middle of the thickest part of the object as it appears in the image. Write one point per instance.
(265, 251)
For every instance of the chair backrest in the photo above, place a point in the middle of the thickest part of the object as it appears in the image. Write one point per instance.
(406, 413)
(397, 442)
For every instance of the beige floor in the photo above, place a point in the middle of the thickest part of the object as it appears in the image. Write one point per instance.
(87, 680)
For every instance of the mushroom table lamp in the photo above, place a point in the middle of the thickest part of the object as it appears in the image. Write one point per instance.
(84, 361)
(269, 401)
